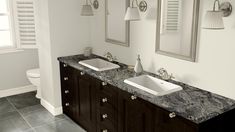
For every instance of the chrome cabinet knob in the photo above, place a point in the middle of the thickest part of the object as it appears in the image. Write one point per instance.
(65, 65)
(104, 83)
(66, 104)
(66, 78)
(105, 130)
(104, 100)
(133, 97)
(172, 115)
(66, 91)
(82, 73)
(104, 116)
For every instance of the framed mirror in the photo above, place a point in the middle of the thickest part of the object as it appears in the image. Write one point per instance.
(177, 28)
(116, 28)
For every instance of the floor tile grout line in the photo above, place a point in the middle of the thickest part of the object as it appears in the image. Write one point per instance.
(32, 111)
(43, 123)
(14, 109)
(48, 123)
(28, 122)
(20, 114)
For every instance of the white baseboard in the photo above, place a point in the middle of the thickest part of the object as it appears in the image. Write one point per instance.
(54, 111)
(15, 91)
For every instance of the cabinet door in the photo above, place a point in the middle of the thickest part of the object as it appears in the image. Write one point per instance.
(135, 115)
(85, 86)
(68, 92)
(165, 122)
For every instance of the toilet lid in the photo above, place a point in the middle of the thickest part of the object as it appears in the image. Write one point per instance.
(33, 73)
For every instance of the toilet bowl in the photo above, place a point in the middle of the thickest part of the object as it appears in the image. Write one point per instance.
(33, 76)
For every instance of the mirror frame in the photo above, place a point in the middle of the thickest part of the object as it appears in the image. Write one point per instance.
(194, 35)
(127, 36)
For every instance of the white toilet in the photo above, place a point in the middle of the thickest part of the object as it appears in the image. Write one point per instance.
(34, 77)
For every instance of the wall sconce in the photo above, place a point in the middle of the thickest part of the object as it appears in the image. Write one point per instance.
(87, 8)
(132, 13)
(214, 18)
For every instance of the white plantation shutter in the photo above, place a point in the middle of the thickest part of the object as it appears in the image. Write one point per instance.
(25, 23)
(171, 15)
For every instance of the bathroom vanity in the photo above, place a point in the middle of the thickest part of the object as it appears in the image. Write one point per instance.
(102, 102)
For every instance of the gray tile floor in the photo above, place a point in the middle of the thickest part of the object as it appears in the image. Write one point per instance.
(23, 113)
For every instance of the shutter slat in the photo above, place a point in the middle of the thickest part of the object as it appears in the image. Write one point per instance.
(25, 21)
(172, 15)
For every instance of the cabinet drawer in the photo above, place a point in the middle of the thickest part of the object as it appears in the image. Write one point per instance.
(107, 100)
(67, 80)
(67, 105)
(107, 88)
(66, 74)
(67, 93)
(65, 69)
(107, 115)
(104, 128)
(106, 119)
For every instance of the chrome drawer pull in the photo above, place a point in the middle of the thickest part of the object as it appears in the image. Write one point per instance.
(65, 65)
(105, 130)
(172, 115)
(66, 78)
(104, 116)
(133, 97)
(66, 91)
(82, 73)
(66, 104)
(104, 100)
(104, 83)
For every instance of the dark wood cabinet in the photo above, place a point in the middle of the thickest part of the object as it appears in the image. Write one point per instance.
(78, 97)
(86, 100)
(107, 104)
(135, 115)
(99, 107)
(69, 93)
(169, 122)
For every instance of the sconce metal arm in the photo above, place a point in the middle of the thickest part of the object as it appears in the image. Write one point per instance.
(216, 1)
(133, 3)
(142, 5)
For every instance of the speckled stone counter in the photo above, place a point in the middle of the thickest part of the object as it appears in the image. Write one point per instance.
(191, 103)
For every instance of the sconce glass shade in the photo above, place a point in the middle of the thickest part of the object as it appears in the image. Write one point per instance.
(87, 10)
(213, 20)
(132, 14)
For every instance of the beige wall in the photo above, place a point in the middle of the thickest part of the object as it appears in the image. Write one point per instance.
(63, 32)
(215, 67)
(13, 68)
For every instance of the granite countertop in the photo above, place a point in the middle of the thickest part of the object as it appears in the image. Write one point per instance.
(191, 103)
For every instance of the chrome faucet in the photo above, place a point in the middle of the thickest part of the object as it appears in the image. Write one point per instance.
(164, 74)
(110, 57)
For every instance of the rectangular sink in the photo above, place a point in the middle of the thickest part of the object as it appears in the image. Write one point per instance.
(153, 85)
(98, 64)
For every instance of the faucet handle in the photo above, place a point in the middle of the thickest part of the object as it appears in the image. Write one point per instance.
(114, 58)
(171, 76)
(164, 74)
(161, 72)
(110, 57)
(107, 54)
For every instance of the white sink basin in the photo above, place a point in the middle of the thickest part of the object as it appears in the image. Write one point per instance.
(153, 85)
(98, 64)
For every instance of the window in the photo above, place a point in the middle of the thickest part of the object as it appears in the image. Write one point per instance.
(6, 30)
(18, 24)
(25, 17)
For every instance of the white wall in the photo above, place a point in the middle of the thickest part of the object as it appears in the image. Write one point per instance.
(214, 70)
(64, 32)
(13, 68)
